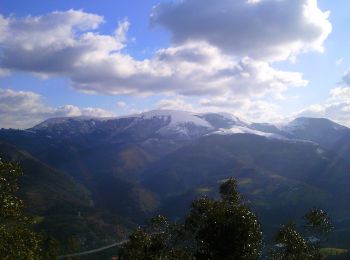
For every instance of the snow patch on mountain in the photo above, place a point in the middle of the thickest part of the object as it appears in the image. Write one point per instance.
(176, 118)
(246, 130)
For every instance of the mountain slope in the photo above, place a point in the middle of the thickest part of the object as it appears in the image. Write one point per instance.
(282, 178)
(319, 130)
(158, 161)
(42, 187)
(62, 207)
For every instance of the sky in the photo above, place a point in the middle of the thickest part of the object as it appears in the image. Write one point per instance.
(261, 60)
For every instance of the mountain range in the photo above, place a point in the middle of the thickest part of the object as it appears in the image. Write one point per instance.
(120, 171)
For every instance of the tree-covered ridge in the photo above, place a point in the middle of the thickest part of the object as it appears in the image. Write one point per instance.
(224, 228)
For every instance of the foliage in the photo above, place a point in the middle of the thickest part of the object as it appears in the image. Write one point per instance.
(224, 229)
(158, 240)
(214, 229)
(318, 222)
(228, 192)
(51, 248)
(73, 244)
(292, 245)
(18, 241)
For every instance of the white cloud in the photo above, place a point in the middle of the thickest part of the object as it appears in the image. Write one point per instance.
(24, 109)
(121, 104)
(346, 77)
(339, 61)
(175, 103)
(250, 109)
(96, 112)
(247, 109)
(222, 53)
(265, 29)
(337, 107)
(67, 44)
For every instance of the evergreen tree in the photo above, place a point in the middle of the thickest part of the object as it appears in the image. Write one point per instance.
(290, 244)
(17, 239)
(214, 229)
(226, 228)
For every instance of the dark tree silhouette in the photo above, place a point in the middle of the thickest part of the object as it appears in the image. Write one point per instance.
(214, 229)
(17, 240)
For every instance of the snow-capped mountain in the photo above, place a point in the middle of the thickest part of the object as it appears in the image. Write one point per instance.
(170, 154)
(320, 130)
(188, 125)
(178, 123)
(164, 123)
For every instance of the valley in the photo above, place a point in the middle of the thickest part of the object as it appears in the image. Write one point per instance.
(97, 179)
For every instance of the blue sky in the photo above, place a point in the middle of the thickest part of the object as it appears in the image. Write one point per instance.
(263, 60)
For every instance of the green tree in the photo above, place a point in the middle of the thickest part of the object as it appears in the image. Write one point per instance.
(290, 244)
(214, 229)
(51, 248)
(17, 239)
(318, 222)
(158, 240)
(226, 228)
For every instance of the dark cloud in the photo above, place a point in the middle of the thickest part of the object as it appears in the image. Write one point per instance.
(272, 29)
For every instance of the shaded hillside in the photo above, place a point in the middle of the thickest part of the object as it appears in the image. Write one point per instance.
(61, 207)
(282, 179)
(44, 188)
(158, 161)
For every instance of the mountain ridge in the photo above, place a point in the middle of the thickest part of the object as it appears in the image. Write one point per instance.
(158, 161)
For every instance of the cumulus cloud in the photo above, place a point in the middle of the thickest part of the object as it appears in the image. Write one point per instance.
(222, 54)
(121, 104)
(264, 29)
(337, 107)
(24, 109)
(254, 110)
(67, 44)
(339, 61)
(175, 103)
(346, 77)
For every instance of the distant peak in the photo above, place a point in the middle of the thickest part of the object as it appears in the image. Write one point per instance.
(315, 122)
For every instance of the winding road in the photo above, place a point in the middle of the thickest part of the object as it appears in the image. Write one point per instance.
(94, 250)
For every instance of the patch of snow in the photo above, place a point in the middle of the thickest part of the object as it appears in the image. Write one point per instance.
(319, 151)
(246, 130)
(229, 117)
(176, 117)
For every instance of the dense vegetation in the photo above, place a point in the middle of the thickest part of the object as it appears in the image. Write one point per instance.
(224, 229)
(17, 239)
(213, 229)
